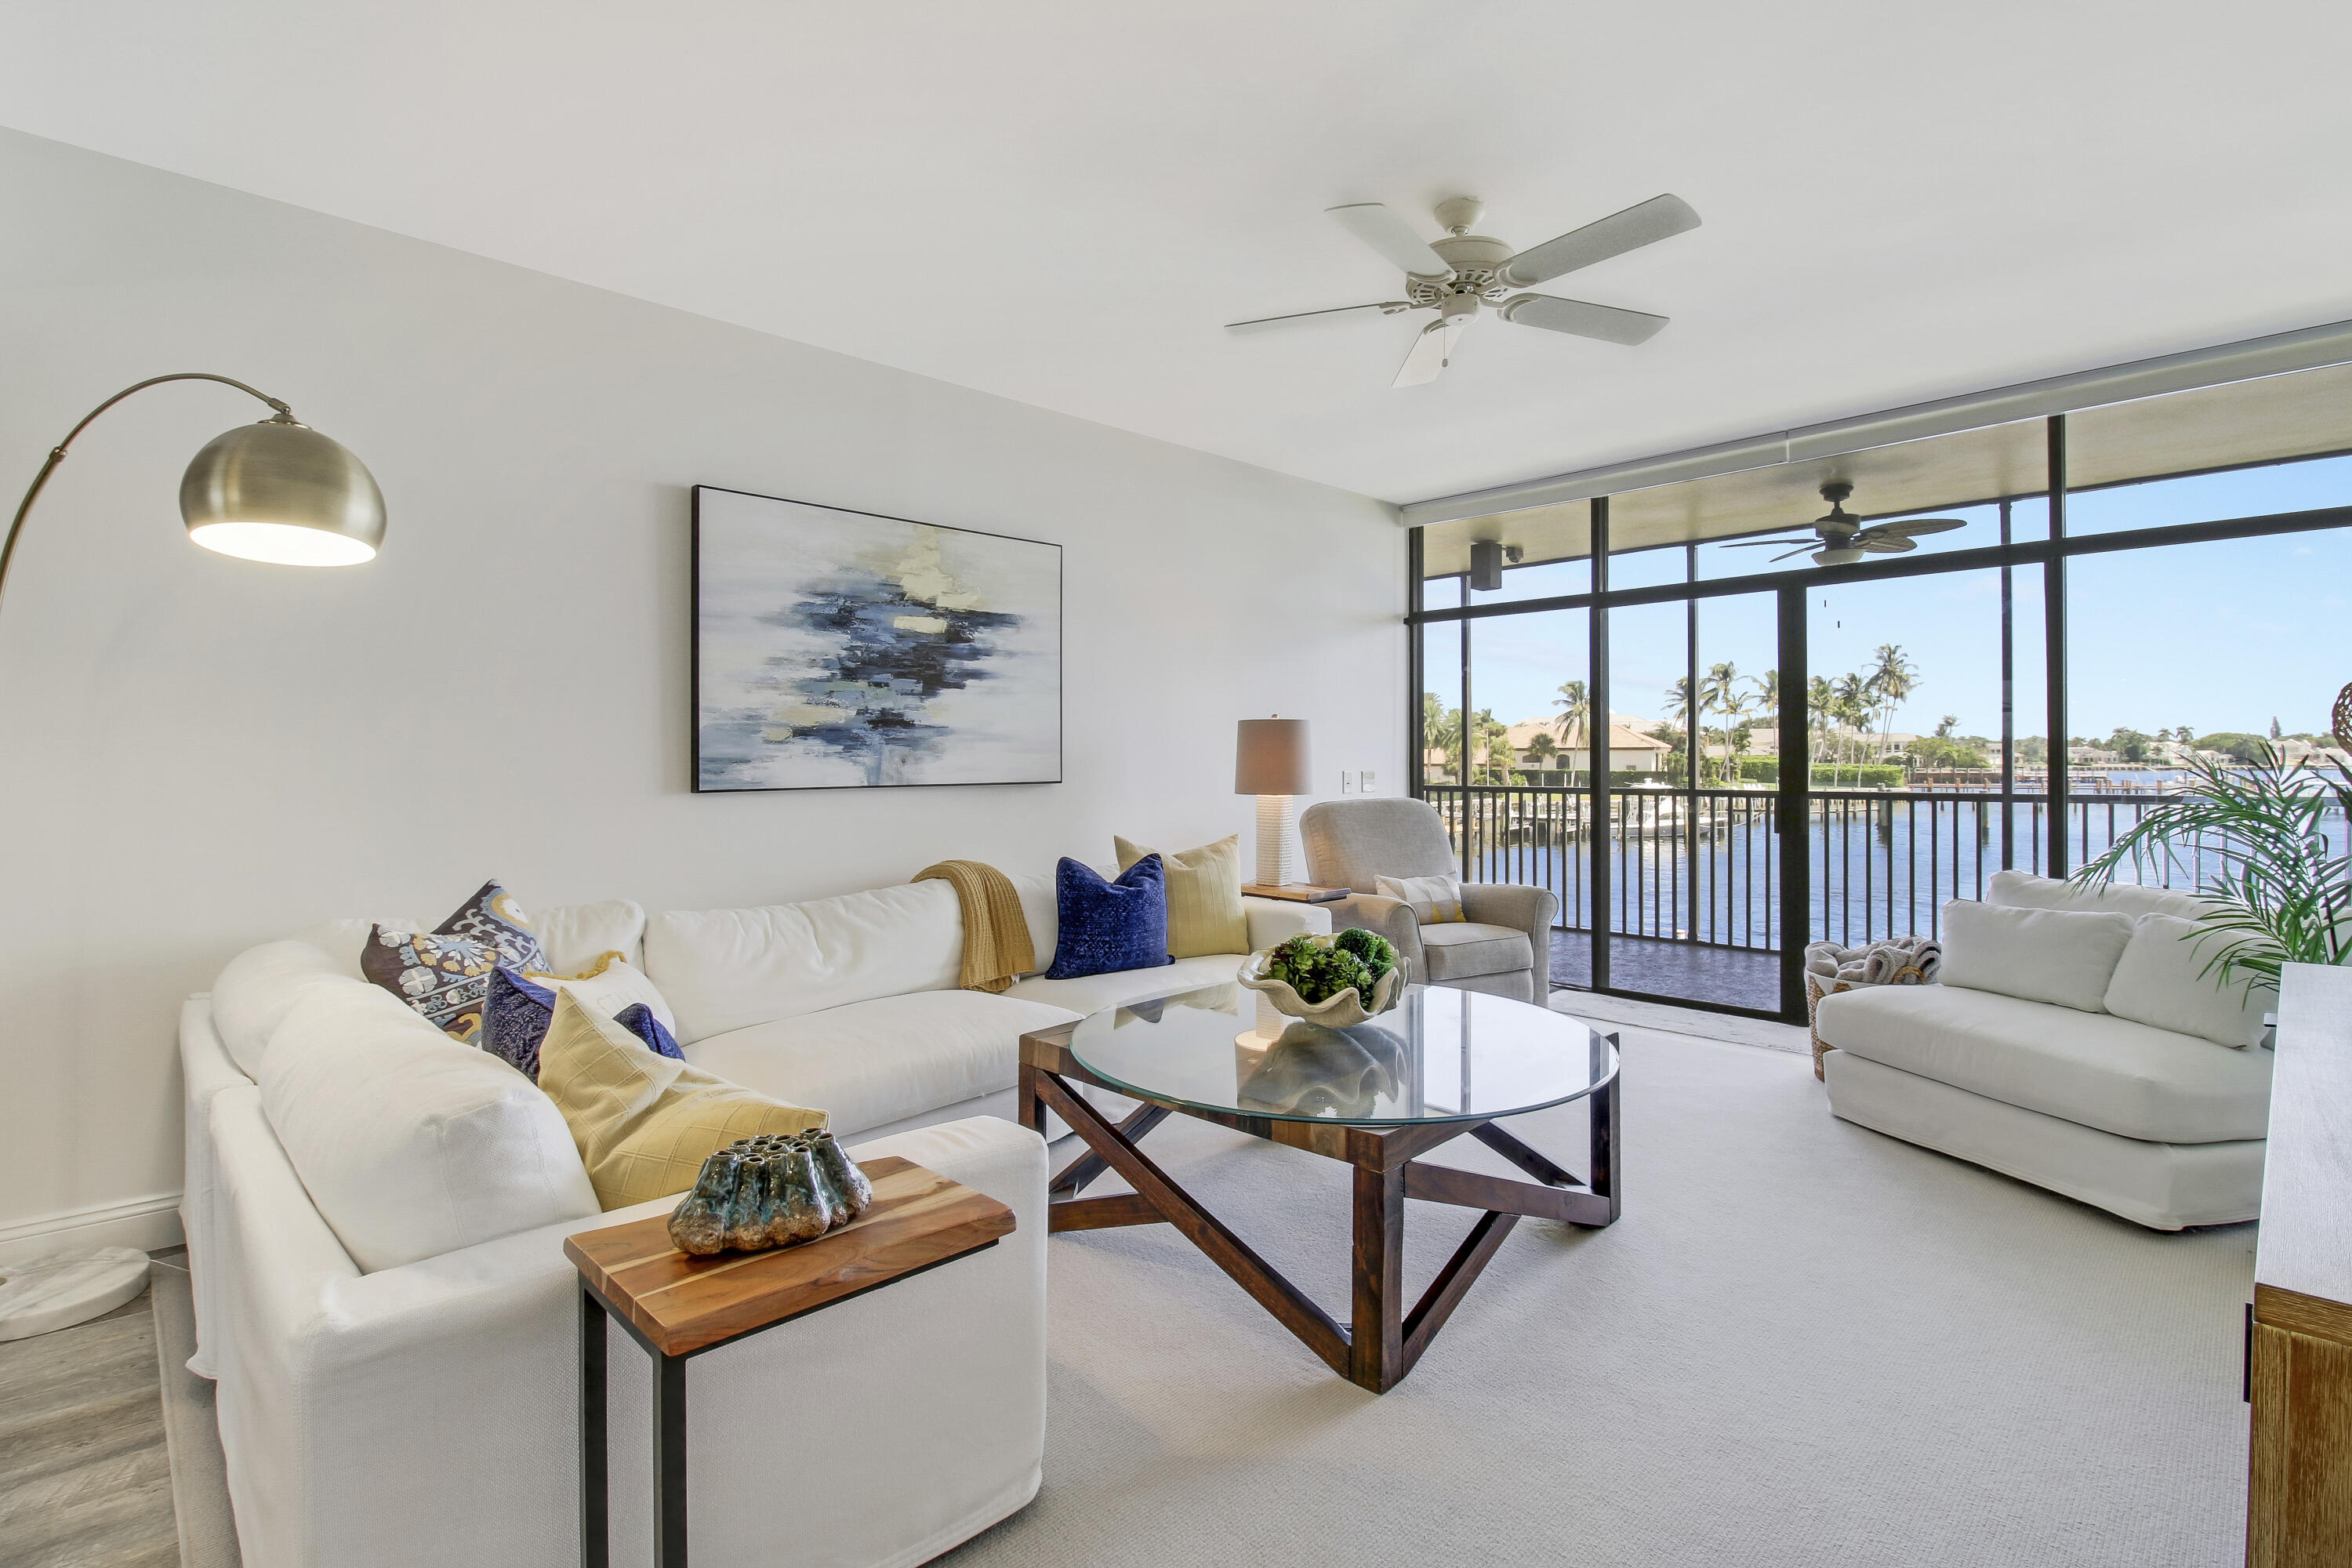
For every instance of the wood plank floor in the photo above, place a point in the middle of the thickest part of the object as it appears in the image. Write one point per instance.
(84, 1481)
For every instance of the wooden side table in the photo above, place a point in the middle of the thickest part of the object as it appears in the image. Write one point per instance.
(1295, 893)
(677, 1306)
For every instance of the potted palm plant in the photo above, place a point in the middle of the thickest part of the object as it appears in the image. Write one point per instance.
(2267, 844)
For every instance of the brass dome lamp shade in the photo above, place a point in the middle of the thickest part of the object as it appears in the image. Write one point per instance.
(276, 492)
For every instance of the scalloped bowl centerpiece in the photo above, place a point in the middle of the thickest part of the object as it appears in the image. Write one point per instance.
(1336, 981)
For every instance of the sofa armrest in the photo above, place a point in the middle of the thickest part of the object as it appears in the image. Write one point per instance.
(428, 1413)
(1391, 918)
(1529, 909)
(1272, 920)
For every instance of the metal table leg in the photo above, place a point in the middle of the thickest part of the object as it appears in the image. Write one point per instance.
(596, 1524)
(669, 1461)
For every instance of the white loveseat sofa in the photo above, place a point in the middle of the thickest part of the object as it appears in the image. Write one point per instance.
(2145, 1093)
(375, 1230)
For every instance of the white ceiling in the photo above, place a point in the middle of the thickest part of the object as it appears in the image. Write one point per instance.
(1061, 202)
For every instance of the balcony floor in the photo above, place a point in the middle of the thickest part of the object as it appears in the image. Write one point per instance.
(1729, 976)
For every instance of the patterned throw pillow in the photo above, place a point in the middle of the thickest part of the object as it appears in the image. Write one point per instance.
(1107, 927)
(444, 974)
(518, 1010)
(1435, 901)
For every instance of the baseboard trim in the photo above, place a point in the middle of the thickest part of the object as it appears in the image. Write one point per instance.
(146, 1224)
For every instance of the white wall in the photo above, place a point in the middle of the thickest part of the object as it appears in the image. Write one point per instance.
(198, 754)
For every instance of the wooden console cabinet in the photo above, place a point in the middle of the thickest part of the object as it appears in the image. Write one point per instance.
(2299, 1488)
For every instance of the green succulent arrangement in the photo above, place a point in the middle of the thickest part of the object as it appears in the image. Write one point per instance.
(1319, 968)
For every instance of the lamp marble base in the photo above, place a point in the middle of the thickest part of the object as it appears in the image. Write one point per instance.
(43, 1294)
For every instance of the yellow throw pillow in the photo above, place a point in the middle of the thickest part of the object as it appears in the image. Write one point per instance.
(1435, 900)
(645, 1123)
(1204, 896)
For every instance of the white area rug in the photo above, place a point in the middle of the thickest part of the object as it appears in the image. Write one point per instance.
(1804, 1345)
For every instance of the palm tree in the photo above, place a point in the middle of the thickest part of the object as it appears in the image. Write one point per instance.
(1821, 705)
(1575, 705)
(1893, 682)
(1441, 732)
(1719, 692)
(1541, 750)
(1683, 711)
(1853, 696)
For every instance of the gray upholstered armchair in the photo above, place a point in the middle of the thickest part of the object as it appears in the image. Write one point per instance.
(1503, 946)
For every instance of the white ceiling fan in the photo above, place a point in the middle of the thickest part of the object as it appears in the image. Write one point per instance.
(1840, 540)
(1456, 275)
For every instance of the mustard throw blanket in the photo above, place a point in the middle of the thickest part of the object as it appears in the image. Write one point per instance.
(996, 945)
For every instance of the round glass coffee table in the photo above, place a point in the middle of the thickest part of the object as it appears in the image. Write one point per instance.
(1440, 1065)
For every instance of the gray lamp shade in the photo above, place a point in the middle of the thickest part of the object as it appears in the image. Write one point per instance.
(1271, 758)
(281, 492)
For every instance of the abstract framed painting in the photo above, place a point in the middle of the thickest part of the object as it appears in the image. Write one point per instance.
(839, 649)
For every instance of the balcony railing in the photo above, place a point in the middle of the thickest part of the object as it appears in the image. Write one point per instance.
(1703, 866)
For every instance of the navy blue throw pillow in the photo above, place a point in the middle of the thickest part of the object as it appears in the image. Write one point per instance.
(1109, 926)
(518, 1011)
(515, 1016)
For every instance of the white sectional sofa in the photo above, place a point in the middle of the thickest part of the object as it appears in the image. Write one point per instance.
(2145, 1092)
(421, 1407)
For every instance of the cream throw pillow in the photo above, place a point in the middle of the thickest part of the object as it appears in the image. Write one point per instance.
(645, 1123)
(1204, 896)
(612, 986)
(1435, 901)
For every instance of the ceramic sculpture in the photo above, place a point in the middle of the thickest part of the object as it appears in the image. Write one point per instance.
(774, 1190)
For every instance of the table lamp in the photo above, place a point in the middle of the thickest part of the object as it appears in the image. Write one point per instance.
(1270, 761)
(275, 491)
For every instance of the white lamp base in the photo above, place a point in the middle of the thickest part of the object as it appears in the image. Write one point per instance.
(47, 1293)
(1278, 825)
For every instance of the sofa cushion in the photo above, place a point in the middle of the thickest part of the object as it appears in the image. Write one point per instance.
(1464, 950)
(2024, 891)
(2162, 979)
(871, 1062)
(576, 935)
(608, 984)
(410, 1144)
(2092, 1069)
(259, 987)
(1093, 992)
(645, 1123)
(2065, 957)
(728, 969)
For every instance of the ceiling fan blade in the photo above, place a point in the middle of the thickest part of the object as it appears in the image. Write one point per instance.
(1262, 323)
(1660, 217)
(1917, 525)
(1806, 548)
(1431, 352)
(1393, 237)
(1741, 543)
(1607, 322)
(1879, 543)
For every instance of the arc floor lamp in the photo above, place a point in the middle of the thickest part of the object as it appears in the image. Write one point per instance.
(276, 492)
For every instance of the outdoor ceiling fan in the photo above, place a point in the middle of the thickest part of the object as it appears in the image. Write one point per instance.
(1456, 275)
(1840, 540)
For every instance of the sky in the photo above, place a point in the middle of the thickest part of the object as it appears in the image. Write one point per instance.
(2222, 636)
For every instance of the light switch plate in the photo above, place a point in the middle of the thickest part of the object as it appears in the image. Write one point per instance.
(1347, 783)
(1364, 782)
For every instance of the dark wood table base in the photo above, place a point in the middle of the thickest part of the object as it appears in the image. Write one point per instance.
(1383, 1340)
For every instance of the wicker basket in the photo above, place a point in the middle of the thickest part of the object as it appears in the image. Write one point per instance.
(1896, 961)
